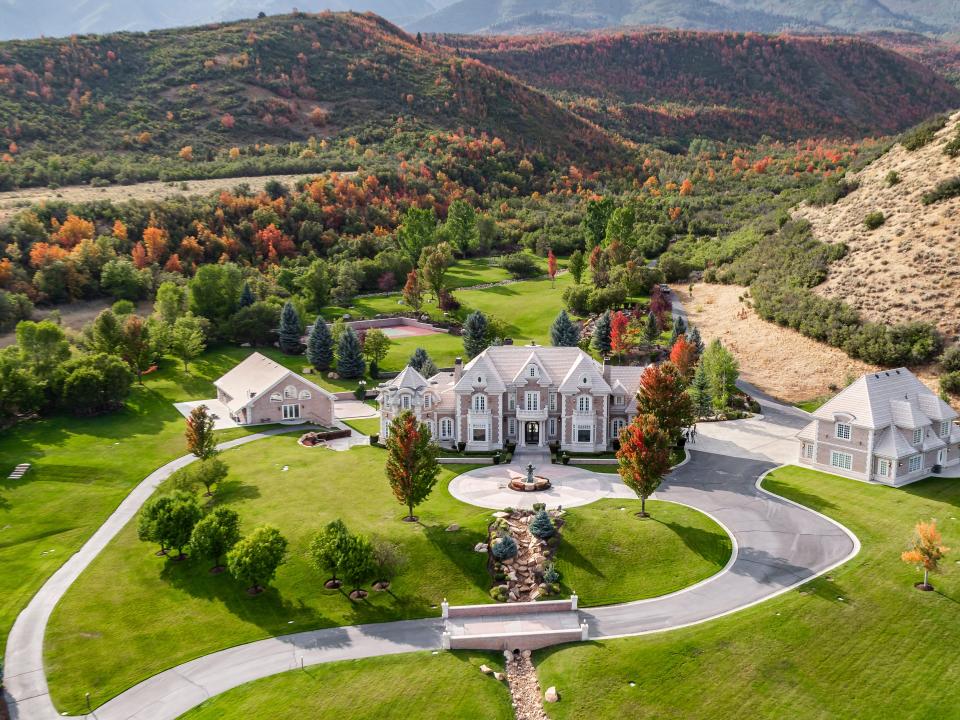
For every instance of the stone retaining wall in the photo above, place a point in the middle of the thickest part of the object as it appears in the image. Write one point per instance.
(521, 608)
(465, 460)
(517, 641)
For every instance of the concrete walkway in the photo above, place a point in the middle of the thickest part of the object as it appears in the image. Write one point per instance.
(777, 545)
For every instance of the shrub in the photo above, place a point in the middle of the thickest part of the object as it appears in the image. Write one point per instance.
(673, 268)
(952, 148)
(944, 190)
(950, 360)
(601, 299)
(504, 547)
(892, 178)
(542, 526)
(950, 382)
(521, 265)
(551, 575)
(830, 191)
(916, 137)
(577, 299)
(874, 220)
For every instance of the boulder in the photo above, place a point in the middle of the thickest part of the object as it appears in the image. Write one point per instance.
(551, 695)
(498, 676)
(500, 514)
(526, 654)
(481, 548)
(486, 670)
(453, 527)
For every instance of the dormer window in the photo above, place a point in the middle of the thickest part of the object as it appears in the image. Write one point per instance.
(945, 428)
(533, 371)
(918, 436)
(843, 431)
(618, 400)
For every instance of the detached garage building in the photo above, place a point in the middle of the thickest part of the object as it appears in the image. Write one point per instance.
(259, 391)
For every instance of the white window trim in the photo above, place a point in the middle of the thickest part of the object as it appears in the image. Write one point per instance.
(511, 401)
(842, 428)
(618, 400)
(553, 402)
(915, 460)
(576, 434)
(616, 425)
(479, 403)
(305, 395)
(405, 402)
(446, 428)
(511, 427)
(427, 402)
(841, 460)
(291, 411)
(276, 397)
(486, 433)
(531, 400)
(917, 436)
(944, 428)
(584, 404)
(883, 467)
(808, 451)
(552, 427)
(289, 393)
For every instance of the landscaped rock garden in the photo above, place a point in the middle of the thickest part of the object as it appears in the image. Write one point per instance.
(318, 437)
(522, 545)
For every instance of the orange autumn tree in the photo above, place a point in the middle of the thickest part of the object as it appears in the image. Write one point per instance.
(551, 266)
(73, 230)
(412, 466)
(683, 354)
(643, 458)
(119, 230)
(927, 551)
(155, 242)
(663, 394)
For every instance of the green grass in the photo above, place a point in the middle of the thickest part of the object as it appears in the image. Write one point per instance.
(364, 426)
(82, 469)
(598, 554)
(884, 650)
(448, 686)
(813, 404)
(158, 613)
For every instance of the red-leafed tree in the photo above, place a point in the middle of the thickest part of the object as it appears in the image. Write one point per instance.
(660, 306)
(551, 266)
(663, 394)
(683, 354)
(644, 457)
(620, 341)
(412, 466)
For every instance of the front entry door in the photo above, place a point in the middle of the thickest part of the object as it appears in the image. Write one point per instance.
(531, 433)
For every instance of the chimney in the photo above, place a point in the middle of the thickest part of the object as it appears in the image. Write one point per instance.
(606, 368)
(457, 370)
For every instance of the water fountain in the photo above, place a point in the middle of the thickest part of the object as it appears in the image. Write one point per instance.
(528, 483)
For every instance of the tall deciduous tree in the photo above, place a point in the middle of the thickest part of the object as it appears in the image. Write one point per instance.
(417, 230)
(215, 535)
(601, 333)
(289, 335)
(927, 551)
(461, 227)
(722, 372)
(149, 519)
(171, 301)
(412, 467)
(644, 457)
(187, 339)
(255, 559)
(358, 565)
(434, 264)
(201, 440)
(620, 342)
(684, 355)
(376, 345)
(412, 292)
(105, 334)
(663, 395)
(320, 345)
(350, 362)
(476, 335)
(576, 265)
(326, 550)
(138, 350)
(564, 332)
(177, 520)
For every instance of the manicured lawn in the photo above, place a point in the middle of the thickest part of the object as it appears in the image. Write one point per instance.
(447, 686)
(365, 426)
(598, 555)
(858, 643)
(476, 271)
(813, 404)
(82, 469)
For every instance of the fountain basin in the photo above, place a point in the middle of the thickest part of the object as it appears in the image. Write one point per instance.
(522, 483)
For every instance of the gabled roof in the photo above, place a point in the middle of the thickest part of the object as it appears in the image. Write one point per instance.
(626, 377)
(880, 399)
(254, 376)
(809, 432)
(533, 359)
(481, 373)
(586, 368)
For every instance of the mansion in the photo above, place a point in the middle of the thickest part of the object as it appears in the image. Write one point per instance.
(530, 395)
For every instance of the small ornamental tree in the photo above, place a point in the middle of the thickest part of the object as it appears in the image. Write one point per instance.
(663, 395)
(215, 535)
(577, 264)
(475, 334)
(320, 346)
(387, 559)
(504, 547)
(201, 440)
(209, 473)
(601, 333)
(412, 292)
(376, 345)
(358, 565)
(552, 267)
(423, 363)
(644, 457)
(326, 551)
(620, 341)
(542, 526)
(289, 335)
(564, 332)
(684, 355)
(176, 522)
(255, 559)
(153, 512)
(350, 362)
(700, 393)
(412, 467)
(927, 551)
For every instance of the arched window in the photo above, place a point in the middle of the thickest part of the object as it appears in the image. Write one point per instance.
(446, 428)
(305, 395)
(290, 392)
(583, 404)
(479, 403)
(276, 397)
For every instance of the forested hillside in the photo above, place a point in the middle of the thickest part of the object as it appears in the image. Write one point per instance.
(721, 85)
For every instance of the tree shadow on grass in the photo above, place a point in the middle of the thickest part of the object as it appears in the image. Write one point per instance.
(825, 588)
(568, 553)
(935, 489)
(233, 490)
(713, 547)
(790, 492)
(458, 548)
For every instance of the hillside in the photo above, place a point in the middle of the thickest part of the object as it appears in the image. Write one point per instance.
(683, 84)
(525, 16)
(940, 54)
(262, 81)
(909, 267)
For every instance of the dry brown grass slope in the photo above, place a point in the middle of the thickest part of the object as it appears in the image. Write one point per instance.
(908, 268)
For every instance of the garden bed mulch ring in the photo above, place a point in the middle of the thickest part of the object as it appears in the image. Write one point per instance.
(925, 587)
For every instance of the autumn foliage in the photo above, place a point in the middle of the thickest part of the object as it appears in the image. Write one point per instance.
(644, 457)
(927, 551)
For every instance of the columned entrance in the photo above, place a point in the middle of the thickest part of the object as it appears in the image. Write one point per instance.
(531, 433)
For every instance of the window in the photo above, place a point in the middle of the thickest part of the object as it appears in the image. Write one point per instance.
(427, 401)
(616, 425)
(584, 434)
(583, 404)
(533, 371)
(883, 467)
(808, 452)
(305, 395)
(583, 380)
(511, 402)
(915, 463)
(446, 428)
(945, 428)
(553, 427)
(276, 397)
(618, 400)
(532, 401)
(553, 402)
(291, 412)
(479, 403)
(432, 428)
(918, 436)
(289, 392)
(843, 431)
(841, 460)
(405, 402)
(511, 427)
(480, 434)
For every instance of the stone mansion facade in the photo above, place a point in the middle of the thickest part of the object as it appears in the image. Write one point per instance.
(529, 395)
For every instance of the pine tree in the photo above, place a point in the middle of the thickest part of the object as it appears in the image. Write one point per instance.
(542, 526)
(564, 332)
(679, 328)
(320, 346)
(652, 331)
(350, 362)
(423, 363)
(693, 335)
(601, 333)
(700, 393)
(247, 297)
(475, 334)
(289, 336)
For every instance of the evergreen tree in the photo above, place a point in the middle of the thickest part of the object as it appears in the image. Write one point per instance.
(475, 334)
(320, 346)
(423, 363)
(693, 335)
(564, 332)
(652, 331)
(700, 393)
(542, 526)
(601, 333)
(350, 362)
(679, 328)
(247, 298)
(289, 335)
